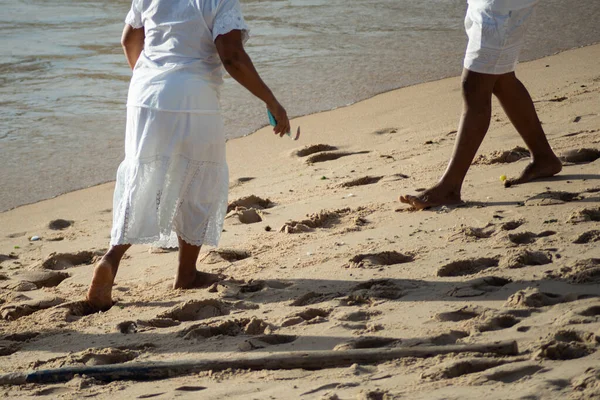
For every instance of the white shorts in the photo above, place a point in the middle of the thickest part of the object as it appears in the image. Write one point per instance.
(495, 39)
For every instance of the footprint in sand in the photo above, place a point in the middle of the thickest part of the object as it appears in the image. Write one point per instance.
(373, 291)
(551, 198)
(331, 155)
(322, 219)
(251, 201)
(21, 336)
(312, 298)
(491, 320)
(190, 388)
(225, 255)
(593, 311)
(238, 288)
(509, 373)
(479, 287)
(585, 309)
(588, 237)
(194, 310)
(580, 156)
(42, 279)
(585, 215)
(396, 177)
(16, 235)
(240, 181)
(314, 148)
(8, 257)
(580, 272)
(571, 335)
(365, 180)
(262, 341)
(367, 342)
(59, 224)
(455, 368)
(523, 258)
(233, 327)
(554, 350)
(469, 234)
(445, 339)
(385, 131)
(253, 286)
(89, 357)
(11, 312)
(587, 384)
(528, 237)
(534, 298)
(357, 316)
(8, 348)
(377, 260)
(512, 225)
(56, 392)
(149, 323)
(61, 261)
(74, 310)
(503, 157)
(462, 314)
(467, 267)
(310, 316)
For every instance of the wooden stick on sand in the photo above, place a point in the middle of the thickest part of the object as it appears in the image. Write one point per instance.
(311, 360)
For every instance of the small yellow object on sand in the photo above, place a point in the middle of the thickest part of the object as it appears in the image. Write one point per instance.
(502, 178)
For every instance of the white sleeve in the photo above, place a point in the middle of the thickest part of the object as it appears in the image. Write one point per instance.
(134, 16)
(228, 17)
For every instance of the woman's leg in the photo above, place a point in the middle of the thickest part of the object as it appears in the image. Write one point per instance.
(474, 124)
(519, 108)
(100, 291)
(188, 277)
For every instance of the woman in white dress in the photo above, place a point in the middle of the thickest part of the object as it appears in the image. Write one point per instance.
(171, 188)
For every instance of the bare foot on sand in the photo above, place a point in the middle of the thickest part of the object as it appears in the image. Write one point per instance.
(536, 170)
(199, 281)
(100, 292)
(433, 197)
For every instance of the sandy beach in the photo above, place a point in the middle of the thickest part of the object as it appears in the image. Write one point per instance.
(324, 258)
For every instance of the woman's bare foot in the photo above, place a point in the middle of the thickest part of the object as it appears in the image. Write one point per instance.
(536, 170)
(100, 292)
(198, 281)
(433, 197)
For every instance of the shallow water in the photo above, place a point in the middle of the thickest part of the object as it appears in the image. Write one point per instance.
(64, 79)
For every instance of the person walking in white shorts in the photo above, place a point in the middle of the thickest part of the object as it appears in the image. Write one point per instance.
(496, 30)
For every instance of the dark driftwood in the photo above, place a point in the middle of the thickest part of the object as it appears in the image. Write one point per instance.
(311, 360)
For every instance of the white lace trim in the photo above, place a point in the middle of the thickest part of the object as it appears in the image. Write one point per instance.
(231, 20)
(169, 184)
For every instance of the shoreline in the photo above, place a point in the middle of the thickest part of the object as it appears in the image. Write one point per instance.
(308, 115)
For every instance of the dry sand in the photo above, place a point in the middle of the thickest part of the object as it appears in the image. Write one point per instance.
(511, 264)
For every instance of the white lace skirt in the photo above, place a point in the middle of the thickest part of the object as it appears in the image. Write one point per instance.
(173, 181)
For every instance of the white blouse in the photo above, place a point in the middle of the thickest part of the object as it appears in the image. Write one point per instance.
(179, 62)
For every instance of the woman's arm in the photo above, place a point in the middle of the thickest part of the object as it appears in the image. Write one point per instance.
(239, 65)
(132, 41)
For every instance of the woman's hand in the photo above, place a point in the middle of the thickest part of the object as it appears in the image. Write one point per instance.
(283, 123)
